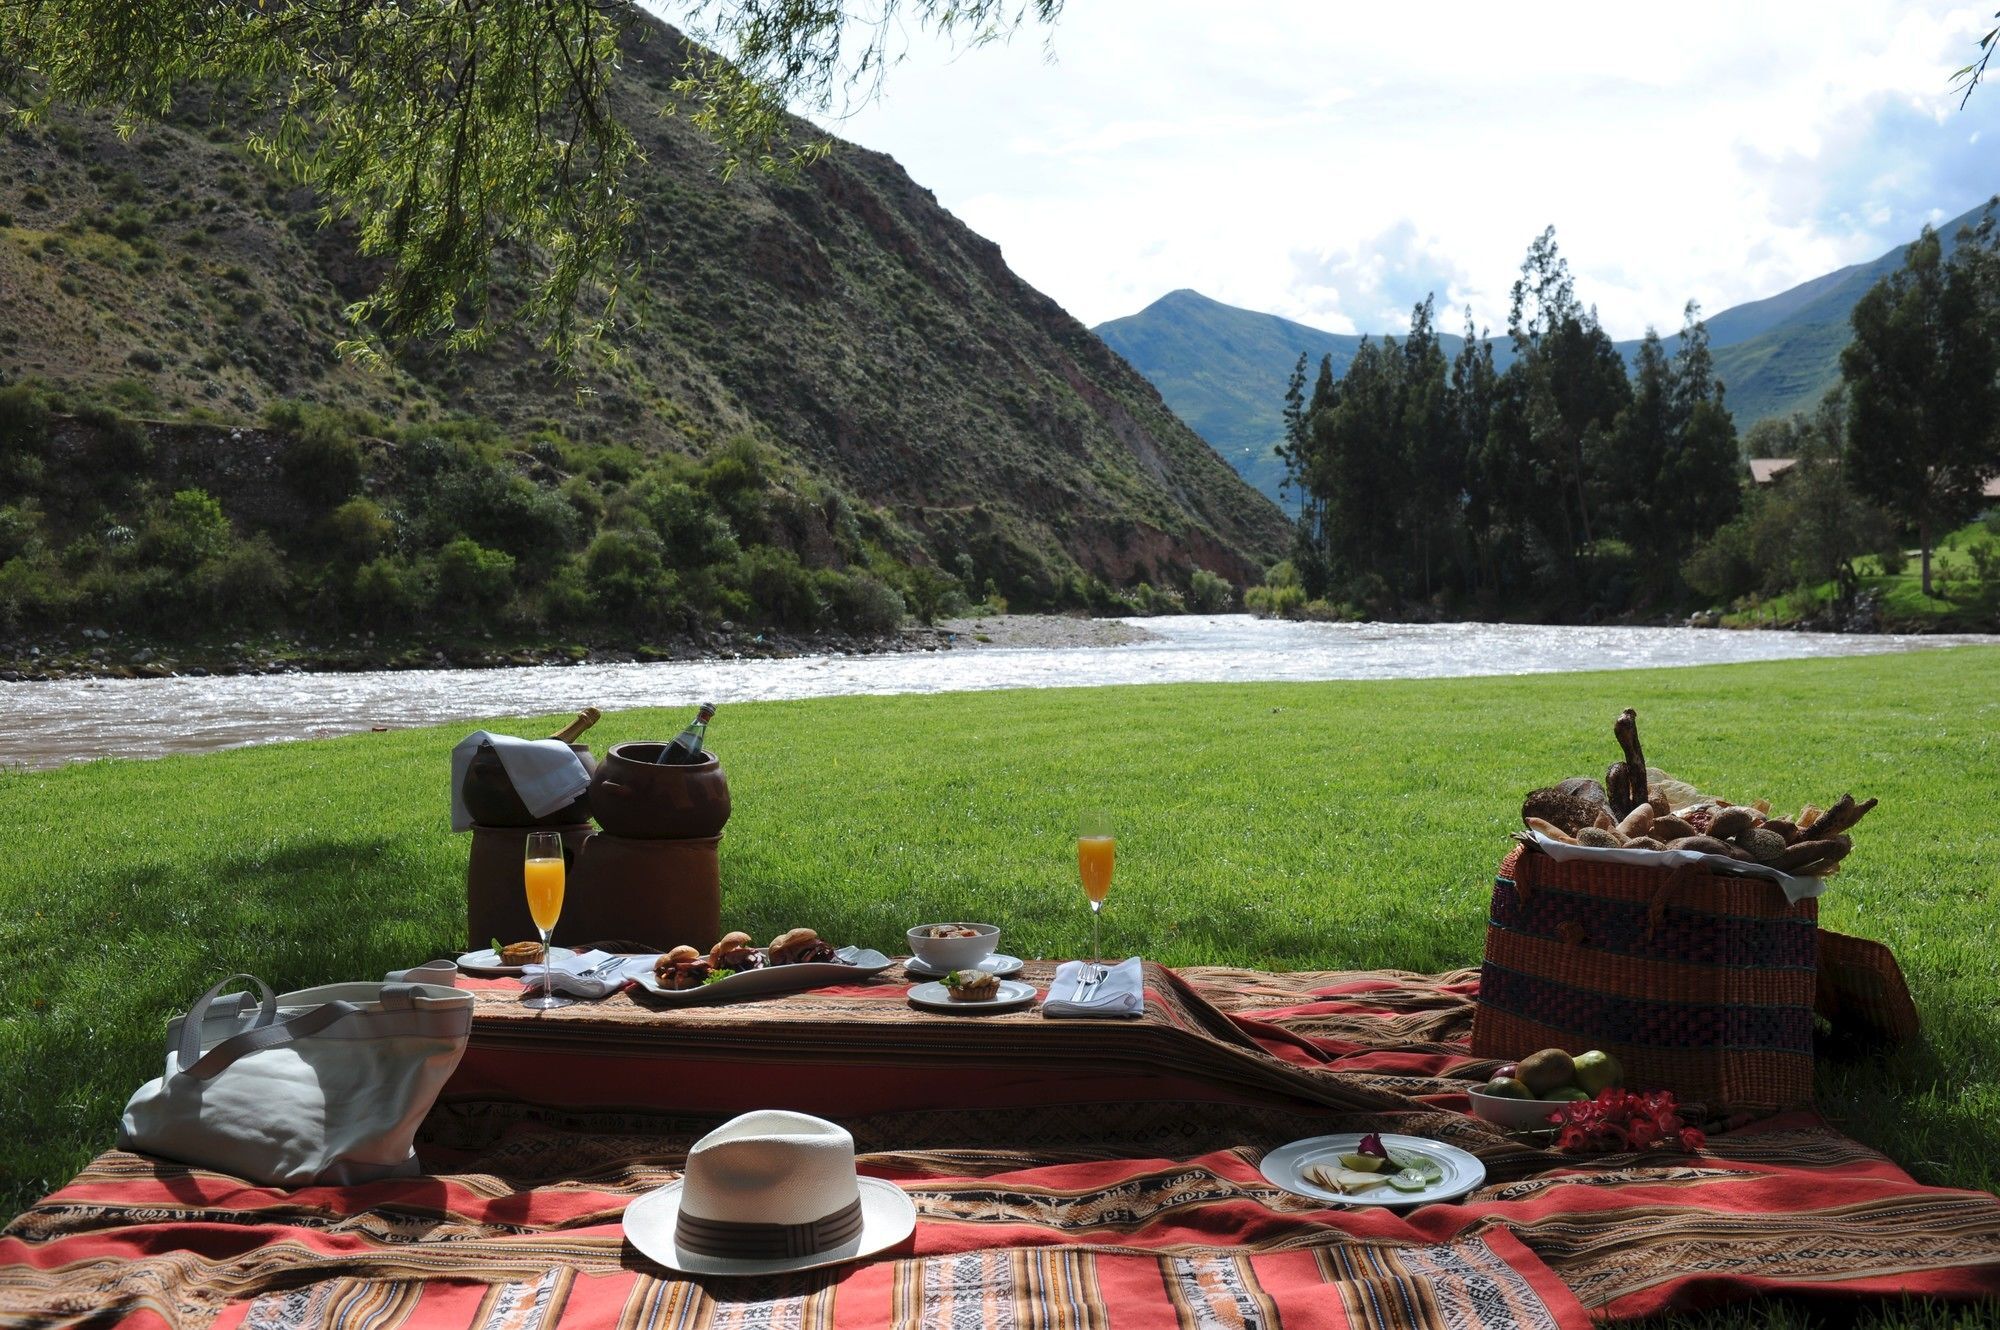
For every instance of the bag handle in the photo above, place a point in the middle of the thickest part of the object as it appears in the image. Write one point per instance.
(276, 1034)
(190, 1045)
(260, 1038)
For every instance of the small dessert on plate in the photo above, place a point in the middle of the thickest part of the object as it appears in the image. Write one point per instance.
(520, 953)
(972, 986)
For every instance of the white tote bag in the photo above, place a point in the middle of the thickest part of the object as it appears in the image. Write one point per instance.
(325, 1085)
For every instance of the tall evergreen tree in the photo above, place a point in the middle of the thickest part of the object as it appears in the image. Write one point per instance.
(1470, 396)
(1671, 473)
(1923, 385)
(1292, 448)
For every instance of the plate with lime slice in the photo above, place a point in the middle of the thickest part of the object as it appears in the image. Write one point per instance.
(1374, 1169)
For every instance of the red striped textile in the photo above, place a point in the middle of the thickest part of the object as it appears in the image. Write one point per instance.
(1140, 1212)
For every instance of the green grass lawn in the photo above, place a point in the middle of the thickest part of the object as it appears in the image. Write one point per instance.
(1278, 825)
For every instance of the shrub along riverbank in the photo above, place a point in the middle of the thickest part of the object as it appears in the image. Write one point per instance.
(337, 537)
(1322, 825)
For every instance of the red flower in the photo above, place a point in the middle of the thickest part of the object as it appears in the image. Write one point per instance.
(1622, 1120)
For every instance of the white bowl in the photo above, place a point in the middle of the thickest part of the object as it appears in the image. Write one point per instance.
(954, 953)
(1514, 1114)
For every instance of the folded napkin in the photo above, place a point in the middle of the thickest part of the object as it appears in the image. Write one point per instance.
(1123, 992)
(544, 772)
(609, 973)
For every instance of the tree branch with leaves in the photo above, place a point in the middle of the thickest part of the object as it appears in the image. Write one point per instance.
(451, 133)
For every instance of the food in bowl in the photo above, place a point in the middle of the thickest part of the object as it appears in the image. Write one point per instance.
(971, 986)
(963, 947)
(520, 953)
(1522, 1095)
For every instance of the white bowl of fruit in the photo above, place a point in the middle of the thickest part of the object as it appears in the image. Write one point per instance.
(1521, 1095)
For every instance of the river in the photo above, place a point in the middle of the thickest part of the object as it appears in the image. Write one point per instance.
(67, 720)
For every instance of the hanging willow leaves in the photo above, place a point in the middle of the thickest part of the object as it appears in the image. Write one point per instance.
(450, 133)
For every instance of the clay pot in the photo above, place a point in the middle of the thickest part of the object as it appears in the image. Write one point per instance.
(633, 796)
(489, 796)
(663, 893)
(496, 900)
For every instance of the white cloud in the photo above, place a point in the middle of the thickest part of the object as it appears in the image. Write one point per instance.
(1332, 162)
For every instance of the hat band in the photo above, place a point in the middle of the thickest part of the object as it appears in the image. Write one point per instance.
(761, 1242)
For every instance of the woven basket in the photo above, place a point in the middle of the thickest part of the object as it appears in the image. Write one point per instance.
(1696, 982)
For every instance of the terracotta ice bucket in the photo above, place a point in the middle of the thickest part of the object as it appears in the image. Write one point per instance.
(633, 796)
(490, 798)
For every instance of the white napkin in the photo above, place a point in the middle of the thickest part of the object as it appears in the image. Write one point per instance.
(1795, 887)
(567, 979)
(1123, 992)
(544, 772)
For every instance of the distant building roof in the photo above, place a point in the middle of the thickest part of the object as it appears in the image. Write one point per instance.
(1764, 470)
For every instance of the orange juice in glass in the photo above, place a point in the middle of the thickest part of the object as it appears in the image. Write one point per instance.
(542, 875)
(1096, 855)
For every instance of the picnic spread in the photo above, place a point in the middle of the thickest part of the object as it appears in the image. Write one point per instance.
(710, 1131)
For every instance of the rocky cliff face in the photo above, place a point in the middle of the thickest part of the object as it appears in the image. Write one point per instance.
(844, 318)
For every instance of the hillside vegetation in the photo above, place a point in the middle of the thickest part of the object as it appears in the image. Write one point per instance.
(877, 357)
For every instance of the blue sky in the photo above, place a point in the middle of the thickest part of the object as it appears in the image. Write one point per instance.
(1332, 162)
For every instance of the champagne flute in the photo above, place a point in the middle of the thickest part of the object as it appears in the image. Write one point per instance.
(542, 874)
(1096, 853)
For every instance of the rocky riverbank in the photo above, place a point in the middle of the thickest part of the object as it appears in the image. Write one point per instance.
(109, 653)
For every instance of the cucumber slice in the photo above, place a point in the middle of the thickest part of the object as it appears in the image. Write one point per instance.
(1429, 1169)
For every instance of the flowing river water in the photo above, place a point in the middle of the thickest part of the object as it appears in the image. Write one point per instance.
(49, 723)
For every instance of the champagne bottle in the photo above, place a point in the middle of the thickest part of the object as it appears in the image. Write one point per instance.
(573, 731)
(686, 746)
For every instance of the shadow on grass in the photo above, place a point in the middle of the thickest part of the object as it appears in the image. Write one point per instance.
(96, 974)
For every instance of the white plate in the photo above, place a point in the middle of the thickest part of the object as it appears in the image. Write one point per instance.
(487, 961)
(1285, 1167)
(997, 964)
(854, 964)
(936, 997)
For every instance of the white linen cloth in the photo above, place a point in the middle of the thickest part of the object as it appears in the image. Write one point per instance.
(1795, 887)
(1123, 992)
(567, 977)
(545, 773)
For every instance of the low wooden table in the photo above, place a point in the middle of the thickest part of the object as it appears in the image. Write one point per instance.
(862, 1049)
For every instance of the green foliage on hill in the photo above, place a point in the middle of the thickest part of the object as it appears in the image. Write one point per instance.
(344, 522)
(848, 328)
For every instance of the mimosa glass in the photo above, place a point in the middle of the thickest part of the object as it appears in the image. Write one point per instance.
(1096, 855)
(543, 876)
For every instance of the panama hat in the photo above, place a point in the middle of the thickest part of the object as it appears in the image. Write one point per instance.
(765, 1193)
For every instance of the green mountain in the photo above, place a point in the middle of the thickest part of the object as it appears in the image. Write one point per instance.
(844, 322)
(1223, 369)
(1781, 354)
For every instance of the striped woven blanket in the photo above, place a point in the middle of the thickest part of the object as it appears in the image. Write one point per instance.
(1077, 1211)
